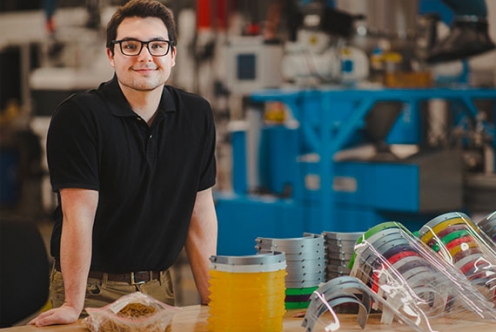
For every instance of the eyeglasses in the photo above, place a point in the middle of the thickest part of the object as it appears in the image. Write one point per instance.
(132, 47)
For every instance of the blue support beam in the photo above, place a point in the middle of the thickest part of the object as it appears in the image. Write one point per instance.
(329, 136)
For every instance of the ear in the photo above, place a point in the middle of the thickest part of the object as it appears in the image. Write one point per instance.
(173, 56)
(110, 57)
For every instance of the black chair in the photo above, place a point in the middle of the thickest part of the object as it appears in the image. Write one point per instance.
(24, 271)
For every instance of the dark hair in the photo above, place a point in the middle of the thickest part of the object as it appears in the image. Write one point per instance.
(141, 8)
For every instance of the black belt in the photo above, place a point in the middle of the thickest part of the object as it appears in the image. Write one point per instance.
(132, 278)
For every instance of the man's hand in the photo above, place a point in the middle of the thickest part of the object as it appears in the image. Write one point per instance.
(63, 315)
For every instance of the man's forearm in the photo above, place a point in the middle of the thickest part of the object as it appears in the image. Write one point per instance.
(201, 242)
(75, 258)
(199, 266)
(79, 208)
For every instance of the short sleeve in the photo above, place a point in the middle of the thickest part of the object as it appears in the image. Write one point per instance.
(209, 166)
(72, 152)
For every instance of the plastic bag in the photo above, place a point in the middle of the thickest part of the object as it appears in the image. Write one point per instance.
(135, 312)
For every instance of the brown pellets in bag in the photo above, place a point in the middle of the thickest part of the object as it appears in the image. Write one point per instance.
(134, 312)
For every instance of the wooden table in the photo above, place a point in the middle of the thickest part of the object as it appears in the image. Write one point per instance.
(194, 319)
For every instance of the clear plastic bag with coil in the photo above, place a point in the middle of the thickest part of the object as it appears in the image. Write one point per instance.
(135, 312)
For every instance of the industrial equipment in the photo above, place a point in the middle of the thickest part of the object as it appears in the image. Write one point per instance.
(351, 153)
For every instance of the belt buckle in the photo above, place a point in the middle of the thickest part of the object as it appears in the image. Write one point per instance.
(133, 281)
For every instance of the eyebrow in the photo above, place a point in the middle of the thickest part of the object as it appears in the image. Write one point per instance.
(152, 39)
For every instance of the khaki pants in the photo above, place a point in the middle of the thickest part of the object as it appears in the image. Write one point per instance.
(102, 292)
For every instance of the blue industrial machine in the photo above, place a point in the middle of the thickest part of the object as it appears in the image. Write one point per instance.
(300, 184)
(348, 157)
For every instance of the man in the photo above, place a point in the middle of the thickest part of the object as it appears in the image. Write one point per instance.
(133, 165)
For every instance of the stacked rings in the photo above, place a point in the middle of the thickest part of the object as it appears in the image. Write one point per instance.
(454, 236)
(387, 257)
(247, 293)
(488, 226)
(339, 249)
(305, 259)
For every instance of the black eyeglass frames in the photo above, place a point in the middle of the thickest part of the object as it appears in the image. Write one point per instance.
(133, 47)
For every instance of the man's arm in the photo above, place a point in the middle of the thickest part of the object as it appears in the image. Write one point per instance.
(78, 208)
(201, 242)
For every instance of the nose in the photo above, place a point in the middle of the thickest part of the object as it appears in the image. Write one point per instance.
(145, 54)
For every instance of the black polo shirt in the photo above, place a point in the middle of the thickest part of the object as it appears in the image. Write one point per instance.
(147, 177)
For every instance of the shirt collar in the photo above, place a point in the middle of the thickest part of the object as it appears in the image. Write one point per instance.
(119, 105)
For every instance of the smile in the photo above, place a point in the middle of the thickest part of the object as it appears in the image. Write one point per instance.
(144, 70)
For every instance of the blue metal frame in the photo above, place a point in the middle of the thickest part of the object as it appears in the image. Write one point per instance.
(329, 136)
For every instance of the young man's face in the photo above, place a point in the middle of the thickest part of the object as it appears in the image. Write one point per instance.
(142, 72)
